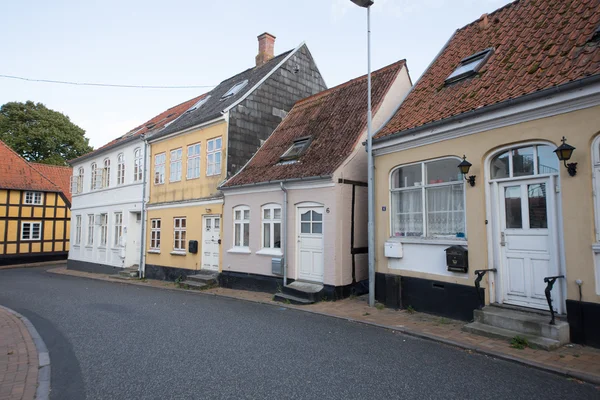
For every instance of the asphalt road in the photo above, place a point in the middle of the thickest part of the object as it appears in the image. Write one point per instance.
(116, 341)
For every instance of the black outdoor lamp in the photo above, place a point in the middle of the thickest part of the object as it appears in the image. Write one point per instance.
(564, 152)
(464, 167)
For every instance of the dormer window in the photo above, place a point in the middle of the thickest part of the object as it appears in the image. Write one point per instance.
(296, 149)
(235, 89)
(198, 104)
(469, 66)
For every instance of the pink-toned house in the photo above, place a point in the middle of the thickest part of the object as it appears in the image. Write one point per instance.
(295, 217)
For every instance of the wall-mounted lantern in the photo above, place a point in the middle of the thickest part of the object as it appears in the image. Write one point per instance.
(464, 167)
(564, 152)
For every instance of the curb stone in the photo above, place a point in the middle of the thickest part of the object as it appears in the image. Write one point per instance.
(565, 372)
(43, 384)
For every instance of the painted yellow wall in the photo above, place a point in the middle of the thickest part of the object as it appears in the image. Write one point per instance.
(579, 127)
(193, 217)
(186, 189)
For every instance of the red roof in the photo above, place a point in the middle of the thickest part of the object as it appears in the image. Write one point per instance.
(59, 175)
(538, 44)
(16, 173)
(152, 125)
(334, 119)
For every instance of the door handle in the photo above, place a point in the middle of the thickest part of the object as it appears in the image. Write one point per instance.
(502, 239)
(219, 241)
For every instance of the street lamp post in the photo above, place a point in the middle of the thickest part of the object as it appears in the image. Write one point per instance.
(371, 189)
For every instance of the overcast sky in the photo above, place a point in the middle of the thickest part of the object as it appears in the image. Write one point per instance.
(199, 42)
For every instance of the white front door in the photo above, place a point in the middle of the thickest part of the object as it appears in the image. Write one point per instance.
(528, 250)
(211, 240)
(310, 243)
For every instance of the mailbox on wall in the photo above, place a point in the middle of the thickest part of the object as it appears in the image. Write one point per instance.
(193, 246)
(457, 259)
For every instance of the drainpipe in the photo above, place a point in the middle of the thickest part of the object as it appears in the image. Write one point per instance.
(142, 266)
(284, 220)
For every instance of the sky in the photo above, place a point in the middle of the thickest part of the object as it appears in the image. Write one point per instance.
(199, 43)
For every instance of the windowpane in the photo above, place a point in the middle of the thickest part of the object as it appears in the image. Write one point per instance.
(538, 217)
(317, 227)
(267, 235)
(317, 216)
(305, 216)
(267, 213)
(246, 234)
(277, 213)
(246, 214)
(445, 213)
(305, 227)
(443, 171)
(500, 167)
(277, 235)
(512, 199)
(237, 234)
(407, 218)
(407, 177)
(217, 223)
(218, 143)
(522, 161)
(547, 160)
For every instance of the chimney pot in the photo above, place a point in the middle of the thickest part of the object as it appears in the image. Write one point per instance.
(266, 48)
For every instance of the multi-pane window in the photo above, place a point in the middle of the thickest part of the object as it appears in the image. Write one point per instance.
(524, 161)
(103, 229)
(213, 156)
(311, 222)
(94, 171)
(31, 231)
(175, 167)
(90, 230)
(118, 228)
(428, 200)
(120, 169)
(137, 165)
(33, 198)
(80, 176)
(155, 234)
(193, 161)
(271, 222)
(159, 168)
(241, 226)
(78, 229)
(179, 226)
(106, 173)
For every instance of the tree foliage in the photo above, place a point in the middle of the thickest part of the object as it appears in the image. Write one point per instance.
(40, 134)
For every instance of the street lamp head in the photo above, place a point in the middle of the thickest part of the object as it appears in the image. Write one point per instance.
(363, 3)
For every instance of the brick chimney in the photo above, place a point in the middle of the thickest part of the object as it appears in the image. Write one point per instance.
(266, 48)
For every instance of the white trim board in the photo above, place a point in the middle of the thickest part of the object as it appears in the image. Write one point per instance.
(549, 106)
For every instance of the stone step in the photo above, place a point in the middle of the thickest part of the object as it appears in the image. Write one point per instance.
(523, 322)
(500, 333)
(193, 285)
(129, 273)
(288, 298)
(205, 278)
(304, 290)
(123, 277)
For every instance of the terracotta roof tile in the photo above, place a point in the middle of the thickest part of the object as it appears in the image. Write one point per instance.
(59, 175)
(334, 119)
(16, 173)
(537, 44)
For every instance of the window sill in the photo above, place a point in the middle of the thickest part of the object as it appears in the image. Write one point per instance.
(89, 246)
(153, 251)
(178, 253)
(240, 250)
(270, 252)
(102, 247)
(429, 240)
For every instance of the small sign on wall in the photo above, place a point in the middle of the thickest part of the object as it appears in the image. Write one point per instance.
(383, 208)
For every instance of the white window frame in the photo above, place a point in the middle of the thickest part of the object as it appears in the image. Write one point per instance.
(31, 225)
(238, 235)
(211, 166)
(90, 230)
(94, 176)
(160, 160)
(138, 170)
(270, 222)
(155, 225)
(118, 229)
(33, 198)
(106, 173)
(120, 169)
(103, 230)
(179, 244)
(175, 164)
(423, 188)
(193, 161)
(80, 177)
(78, 230)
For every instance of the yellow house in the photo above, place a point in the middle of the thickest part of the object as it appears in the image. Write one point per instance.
(34, 211)
(190, 157)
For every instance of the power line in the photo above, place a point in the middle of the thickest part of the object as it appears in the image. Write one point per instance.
(105, 84)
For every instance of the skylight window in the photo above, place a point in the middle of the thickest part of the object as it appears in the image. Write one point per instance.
(198, 104)
(296, 149)
(235, 89)
(469, 66)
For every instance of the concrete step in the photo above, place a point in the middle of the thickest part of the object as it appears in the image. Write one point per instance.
(500, 333)
(193, 285)
(205, 278)
(123, 277)
(129, 272)
(312, 292)
(526, 323)
(288, 298)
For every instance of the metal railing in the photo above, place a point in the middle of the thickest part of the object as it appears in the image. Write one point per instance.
(549, 281)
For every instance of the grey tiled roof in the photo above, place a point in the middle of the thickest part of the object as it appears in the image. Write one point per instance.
(215, 105)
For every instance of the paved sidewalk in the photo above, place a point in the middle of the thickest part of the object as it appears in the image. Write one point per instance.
(575, 361)
(18, 359)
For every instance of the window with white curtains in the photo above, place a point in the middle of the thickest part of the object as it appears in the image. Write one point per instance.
(428, 199)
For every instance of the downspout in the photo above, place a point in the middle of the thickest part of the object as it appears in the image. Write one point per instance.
(284, 220)
(142, 266)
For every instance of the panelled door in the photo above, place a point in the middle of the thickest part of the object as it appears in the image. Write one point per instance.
(310, 243)
(211, 240)
(528, 227)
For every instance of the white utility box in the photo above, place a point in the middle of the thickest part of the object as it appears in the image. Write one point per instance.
(393, 250)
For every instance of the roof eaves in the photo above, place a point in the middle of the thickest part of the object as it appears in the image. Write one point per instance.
(215, 118)
(276, 181)
(103, 150)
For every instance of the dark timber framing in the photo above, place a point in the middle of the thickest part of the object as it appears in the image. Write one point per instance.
(354, 250)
